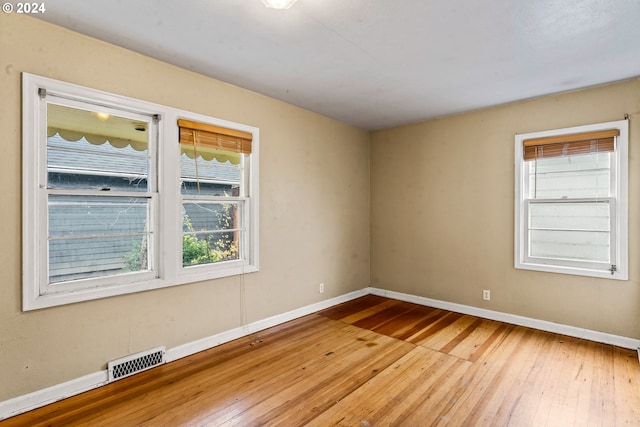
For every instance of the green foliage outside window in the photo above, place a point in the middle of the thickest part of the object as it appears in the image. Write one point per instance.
(222, 247)
(195, 251)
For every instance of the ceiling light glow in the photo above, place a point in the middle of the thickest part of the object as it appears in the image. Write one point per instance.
(279, 4)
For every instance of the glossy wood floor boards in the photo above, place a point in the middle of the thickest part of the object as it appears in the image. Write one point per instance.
(373, 362)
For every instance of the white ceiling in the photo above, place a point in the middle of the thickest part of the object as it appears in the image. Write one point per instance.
(378, 63)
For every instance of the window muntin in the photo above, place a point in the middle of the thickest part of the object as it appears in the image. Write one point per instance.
(104, 212)
(571, 201)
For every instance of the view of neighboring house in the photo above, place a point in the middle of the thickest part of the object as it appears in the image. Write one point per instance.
(90, 236)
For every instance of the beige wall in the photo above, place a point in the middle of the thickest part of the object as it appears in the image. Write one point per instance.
(314, 214)
(442, 212)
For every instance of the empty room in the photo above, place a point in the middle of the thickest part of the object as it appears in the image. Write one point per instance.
(320, 212)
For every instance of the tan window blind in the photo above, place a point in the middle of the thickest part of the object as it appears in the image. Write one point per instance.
(205, 136)
(568, 145)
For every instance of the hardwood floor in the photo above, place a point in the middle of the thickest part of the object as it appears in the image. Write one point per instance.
(373, 362)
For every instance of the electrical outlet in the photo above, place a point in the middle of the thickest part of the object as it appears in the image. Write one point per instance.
(321, 288)
(486, 294)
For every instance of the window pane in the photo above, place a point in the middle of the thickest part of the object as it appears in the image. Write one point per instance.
(576, 231)
(97, 236)
(570, 216)
(212, 232)
(90, 150)
(570, 177)
(574, 245)
(73, 259)
(217, 172)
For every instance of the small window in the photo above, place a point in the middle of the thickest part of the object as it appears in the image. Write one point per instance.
(214, 190)
(97, 222)
(571, 200)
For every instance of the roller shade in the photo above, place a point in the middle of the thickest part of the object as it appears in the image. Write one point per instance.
(569, 145)
(213, 142)
(73, 124)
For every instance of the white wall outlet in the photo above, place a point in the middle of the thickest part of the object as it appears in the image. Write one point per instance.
(321, 288)
(486, 294)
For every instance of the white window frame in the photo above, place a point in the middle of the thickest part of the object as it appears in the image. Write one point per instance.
(617, 201)
(166, 202)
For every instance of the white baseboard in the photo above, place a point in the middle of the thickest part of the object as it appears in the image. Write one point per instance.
(27, 402)
(48, 395)
(513, 319)
(52, 394)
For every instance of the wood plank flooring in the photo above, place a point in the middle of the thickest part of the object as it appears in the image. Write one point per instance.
(373, 362)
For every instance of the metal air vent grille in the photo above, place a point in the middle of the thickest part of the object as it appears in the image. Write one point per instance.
(135, 363)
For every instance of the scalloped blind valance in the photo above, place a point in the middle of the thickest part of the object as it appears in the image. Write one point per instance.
(95, 139)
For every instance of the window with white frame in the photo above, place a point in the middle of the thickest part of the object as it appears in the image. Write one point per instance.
(571, 200)
(121, 195)
(213, 167)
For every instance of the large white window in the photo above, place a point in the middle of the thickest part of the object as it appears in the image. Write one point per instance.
(571, 200)
(121, 195)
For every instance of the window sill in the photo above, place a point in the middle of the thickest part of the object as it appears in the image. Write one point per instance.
(618, 275)
(36, 301)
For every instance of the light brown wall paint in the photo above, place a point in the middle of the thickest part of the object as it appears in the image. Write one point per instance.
(442, 212)
(314, 214)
